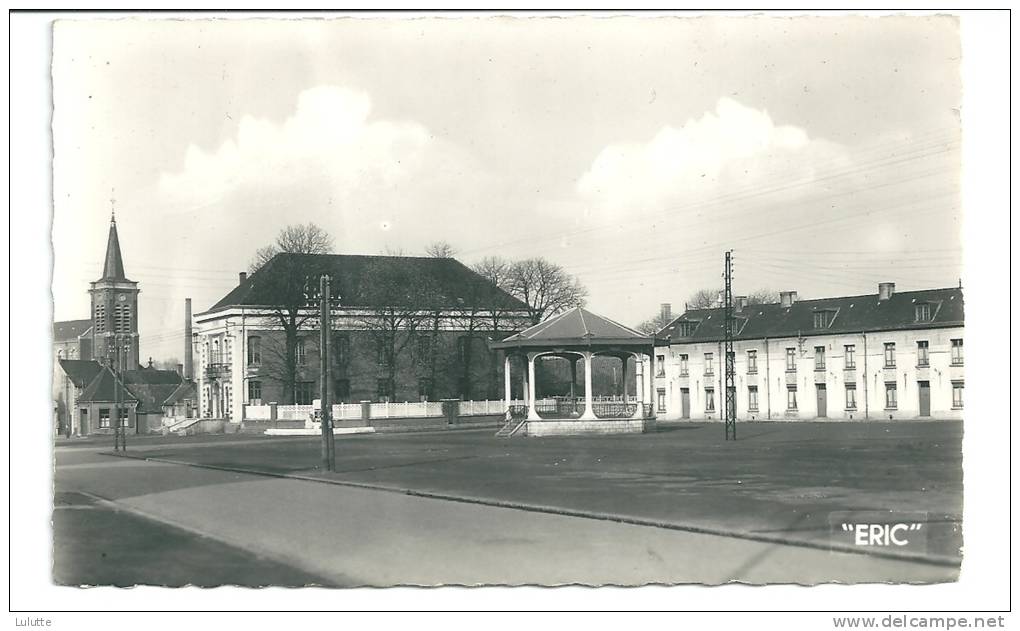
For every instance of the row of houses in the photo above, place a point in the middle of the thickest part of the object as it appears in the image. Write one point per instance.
(885, 355)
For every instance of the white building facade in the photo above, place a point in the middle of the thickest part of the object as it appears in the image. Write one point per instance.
(884, 356)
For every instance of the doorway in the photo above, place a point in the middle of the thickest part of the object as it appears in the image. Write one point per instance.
(685, 402)
(924, 397)
(823, 399)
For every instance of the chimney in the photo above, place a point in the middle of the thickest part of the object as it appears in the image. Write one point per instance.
(885, 290)
(787, 298)
(188, 362)
(741, 303)
(241, 277)
(666, 311)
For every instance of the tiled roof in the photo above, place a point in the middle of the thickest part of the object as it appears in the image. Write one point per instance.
(102, 388)
(69, 330)
(578, 326)
(151, 396)
(845, 314)
(81, 372)
(151, 376)
(453, 284)
(186, 390)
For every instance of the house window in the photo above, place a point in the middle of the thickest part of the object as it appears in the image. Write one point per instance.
(342, 391)
(660, 365)
(957, 395)
(819, 358)
(922, 353)
(424, 347)
(254, 351)
(851, 396)
(304, 392)
(752, 398)
(791, 398)
(683, 366)
(922, 312)
(752, 362)
(710, 399)
(791, 360)
(687, 328)
(822, 319)
(956, 352)
(341, 349)
(849, 363)
(104, 417)
(424, 388)
(254, 392)
(709, 364)
(384, 390)
(890, 396)
(660, 399)
(463, 348)
(300, 352)
(890, 354)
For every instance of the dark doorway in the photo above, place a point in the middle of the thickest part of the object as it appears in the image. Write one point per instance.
(924, 397)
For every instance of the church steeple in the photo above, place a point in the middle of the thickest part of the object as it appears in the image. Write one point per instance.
(113, 269)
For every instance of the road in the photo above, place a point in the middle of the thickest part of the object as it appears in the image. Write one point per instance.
(268, 530)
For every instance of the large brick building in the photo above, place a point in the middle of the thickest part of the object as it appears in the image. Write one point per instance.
(404, 329)
(878, 356)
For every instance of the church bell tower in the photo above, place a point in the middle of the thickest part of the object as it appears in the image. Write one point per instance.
(115, 311)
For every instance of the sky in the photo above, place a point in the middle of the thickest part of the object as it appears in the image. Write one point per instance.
(824, 151)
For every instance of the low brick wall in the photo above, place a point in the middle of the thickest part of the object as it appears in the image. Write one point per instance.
(576, 428)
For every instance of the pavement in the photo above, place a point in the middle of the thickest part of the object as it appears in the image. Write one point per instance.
(780, 481)
(297, 532)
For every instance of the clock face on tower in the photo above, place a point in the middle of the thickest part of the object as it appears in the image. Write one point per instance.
(121, 298)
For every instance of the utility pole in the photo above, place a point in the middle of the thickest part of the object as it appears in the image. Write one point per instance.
(731, 389)
(325, 401)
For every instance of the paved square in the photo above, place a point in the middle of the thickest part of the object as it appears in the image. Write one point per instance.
(780, 480)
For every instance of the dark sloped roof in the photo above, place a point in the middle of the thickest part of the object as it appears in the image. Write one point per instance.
(104, 386)
(81, 372)
(578, 326)
(151, 376)
(69, 330)
(451, 283)
(186, 390)
(151, 396)
(848, 314)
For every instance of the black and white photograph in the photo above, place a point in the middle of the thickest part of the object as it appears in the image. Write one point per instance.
(514, 300)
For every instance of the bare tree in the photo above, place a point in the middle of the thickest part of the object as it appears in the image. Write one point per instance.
(703, 299)
(293, 282)
(399, 305)
(545, 287)
(762, 297)
(709, 298)
(440, 250)
(651, 326)
(298, 238)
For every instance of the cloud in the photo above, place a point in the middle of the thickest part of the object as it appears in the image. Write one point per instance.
(732, 147)
(372, 183)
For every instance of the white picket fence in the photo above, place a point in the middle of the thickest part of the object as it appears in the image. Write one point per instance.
(352, 411)
(257, 412)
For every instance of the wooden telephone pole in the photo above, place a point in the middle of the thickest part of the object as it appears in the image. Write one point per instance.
(325, 400)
